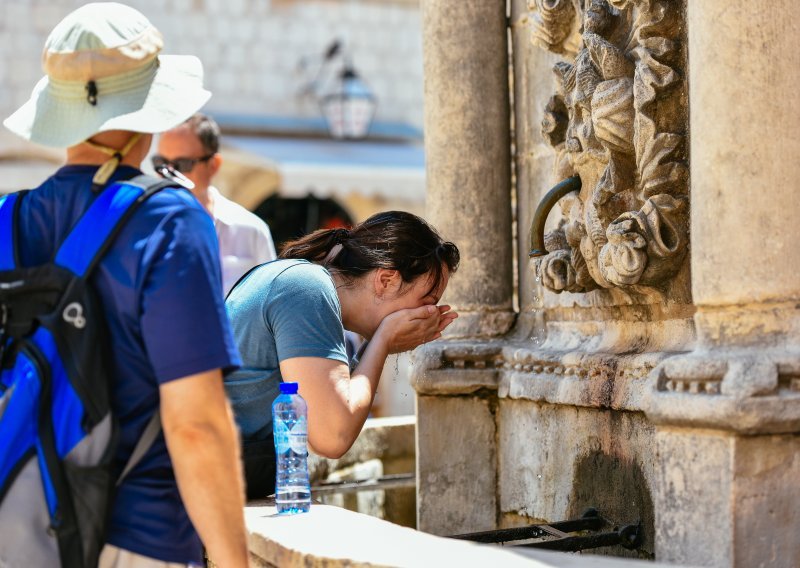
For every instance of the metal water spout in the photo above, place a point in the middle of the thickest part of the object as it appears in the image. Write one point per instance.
(543, 210)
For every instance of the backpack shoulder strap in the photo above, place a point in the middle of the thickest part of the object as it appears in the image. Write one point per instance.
(95, 231)
(9, 205)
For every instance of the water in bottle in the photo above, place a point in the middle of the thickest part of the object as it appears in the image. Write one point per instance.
(290, 429)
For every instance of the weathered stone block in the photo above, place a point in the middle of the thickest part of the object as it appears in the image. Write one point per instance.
(456, 476)
(726, 500)
(694, 482)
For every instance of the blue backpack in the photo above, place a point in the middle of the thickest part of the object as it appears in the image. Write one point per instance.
(57, 429)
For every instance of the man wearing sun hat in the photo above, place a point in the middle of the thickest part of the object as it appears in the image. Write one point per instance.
(106, 90)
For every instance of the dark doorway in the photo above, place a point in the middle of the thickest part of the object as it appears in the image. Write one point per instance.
(292, 218)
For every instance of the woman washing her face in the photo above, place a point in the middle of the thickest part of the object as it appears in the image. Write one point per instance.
(382, 279)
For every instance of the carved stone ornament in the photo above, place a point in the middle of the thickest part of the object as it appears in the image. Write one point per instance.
(617, 120)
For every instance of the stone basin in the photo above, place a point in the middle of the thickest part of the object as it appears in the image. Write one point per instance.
(332, 537)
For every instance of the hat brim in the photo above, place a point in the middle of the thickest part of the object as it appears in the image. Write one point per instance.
(175, 93)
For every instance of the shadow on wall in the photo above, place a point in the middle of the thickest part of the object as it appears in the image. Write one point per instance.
(617, 488)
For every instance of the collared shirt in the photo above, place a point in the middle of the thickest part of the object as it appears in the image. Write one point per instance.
(244, 239)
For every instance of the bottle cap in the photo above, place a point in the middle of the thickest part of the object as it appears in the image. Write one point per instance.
(288, 388)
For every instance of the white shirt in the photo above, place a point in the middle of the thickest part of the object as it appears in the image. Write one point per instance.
(244, 239)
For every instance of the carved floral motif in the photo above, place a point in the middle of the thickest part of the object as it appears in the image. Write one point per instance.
(617, 120)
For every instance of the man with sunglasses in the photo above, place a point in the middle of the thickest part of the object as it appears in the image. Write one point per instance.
(191, 149)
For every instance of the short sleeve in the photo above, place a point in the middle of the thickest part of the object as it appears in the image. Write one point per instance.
(304, 315)
(184, 325)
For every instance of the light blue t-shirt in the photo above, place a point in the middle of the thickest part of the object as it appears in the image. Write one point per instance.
(280, 310)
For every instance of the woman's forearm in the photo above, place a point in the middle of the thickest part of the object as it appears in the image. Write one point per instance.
(367, 374)
(338, 401)
(357, 393)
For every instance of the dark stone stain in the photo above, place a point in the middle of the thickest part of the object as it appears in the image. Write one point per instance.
(617, 488)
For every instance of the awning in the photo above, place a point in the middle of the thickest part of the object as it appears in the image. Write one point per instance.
(333, 168)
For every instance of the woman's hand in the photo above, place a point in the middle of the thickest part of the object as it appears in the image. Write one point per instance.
(404, 330)
(445, 319)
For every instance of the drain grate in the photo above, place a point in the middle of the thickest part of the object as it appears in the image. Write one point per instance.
(563, 535)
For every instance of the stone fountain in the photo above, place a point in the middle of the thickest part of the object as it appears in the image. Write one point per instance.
(637, 348)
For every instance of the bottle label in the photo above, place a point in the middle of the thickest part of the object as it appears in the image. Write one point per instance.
(294, 438)
(298, 436)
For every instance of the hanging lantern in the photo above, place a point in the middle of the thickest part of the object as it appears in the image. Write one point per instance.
(349, 107)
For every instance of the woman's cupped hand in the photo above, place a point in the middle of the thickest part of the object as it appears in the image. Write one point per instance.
(407, 329)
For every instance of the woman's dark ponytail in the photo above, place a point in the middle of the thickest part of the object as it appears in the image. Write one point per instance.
(394, 240)
(315, 246)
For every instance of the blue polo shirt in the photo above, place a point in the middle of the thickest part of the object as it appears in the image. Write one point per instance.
(161, 289)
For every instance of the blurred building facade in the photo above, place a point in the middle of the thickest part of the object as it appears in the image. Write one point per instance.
(260, 59)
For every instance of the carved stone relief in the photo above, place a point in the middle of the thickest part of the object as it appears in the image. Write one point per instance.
(618, 121)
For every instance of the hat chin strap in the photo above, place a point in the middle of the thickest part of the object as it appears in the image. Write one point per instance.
(106, 170)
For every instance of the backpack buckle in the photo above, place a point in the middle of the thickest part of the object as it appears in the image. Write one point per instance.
(73, 314)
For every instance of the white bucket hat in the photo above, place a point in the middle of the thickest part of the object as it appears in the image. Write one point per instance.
(104, 72)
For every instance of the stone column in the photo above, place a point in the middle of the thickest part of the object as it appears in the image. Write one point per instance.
(468, 154)
(729, 412)
(467, 147)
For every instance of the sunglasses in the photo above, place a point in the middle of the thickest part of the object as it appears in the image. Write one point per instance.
(182, 165)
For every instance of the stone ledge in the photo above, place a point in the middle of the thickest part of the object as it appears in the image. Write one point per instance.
(620, 393)
(747, 391)
(455, 382)
(517, 371)
(750, 416)
(331, 537)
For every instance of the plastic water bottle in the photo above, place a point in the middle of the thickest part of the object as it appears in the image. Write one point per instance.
(290, 429)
